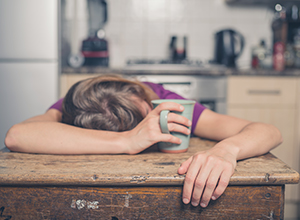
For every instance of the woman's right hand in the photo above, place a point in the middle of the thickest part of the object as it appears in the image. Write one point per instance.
(45, 134)
(148, 131)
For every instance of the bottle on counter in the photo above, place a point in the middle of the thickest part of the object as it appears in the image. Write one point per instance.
(297, 48)
(280, 28)
(261, 56)
(289, 56)
(278, 56)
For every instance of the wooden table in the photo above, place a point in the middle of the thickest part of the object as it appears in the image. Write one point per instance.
(144, 186)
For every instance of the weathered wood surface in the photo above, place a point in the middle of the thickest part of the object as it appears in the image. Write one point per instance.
(237, 202)
(148, 168)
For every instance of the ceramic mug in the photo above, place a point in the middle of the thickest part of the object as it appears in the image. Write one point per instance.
(188, 113)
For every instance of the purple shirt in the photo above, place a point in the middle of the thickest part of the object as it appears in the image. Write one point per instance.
(58, 105)
(162, 94)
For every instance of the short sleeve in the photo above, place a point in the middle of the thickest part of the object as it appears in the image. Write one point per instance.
(57, 105)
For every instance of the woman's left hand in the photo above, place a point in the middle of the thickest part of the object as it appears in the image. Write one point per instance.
(207, 174)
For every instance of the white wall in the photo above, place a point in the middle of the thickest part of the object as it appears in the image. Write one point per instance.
(142, 28)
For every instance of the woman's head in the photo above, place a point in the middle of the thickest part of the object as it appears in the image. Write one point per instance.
(105, 103)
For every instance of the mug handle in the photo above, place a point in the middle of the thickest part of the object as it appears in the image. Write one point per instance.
(163, 121)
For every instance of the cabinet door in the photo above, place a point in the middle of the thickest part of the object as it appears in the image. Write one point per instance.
(262, 91)
(67, 80)
(284, 120)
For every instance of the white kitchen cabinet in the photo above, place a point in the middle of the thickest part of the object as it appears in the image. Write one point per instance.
(272, 100)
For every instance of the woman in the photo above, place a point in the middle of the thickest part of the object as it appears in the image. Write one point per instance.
(111, 115)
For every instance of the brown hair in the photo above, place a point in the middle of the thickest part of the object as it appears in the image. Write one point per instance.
(104, 103)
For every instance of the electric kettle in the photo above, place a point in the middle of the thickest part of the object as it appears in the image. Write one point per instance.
(229, 45)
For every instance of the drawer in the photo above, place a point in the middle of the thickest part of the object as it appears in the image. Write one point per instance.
(262, 90)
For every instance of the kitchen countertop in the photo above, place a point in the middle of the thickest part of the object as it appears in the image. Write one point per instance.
(220, 71)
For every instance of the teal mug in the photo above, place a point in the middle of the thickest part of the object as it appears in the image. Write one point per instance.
(163, 121)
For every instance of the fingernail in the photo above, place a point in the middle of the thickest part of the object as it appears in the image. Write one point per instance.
(213, 198)
(181, 107)
(194, 203)
(185, 201)
(189, 123)
(203, 205)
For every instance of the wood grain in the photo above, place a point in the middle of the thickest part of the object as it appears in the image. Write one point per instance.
(148, 168)
(237, 202)
(144, 186)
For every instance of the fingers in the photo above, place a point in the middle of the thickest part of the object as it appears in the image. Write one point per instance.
(190, 177)
(184, 166)
(172, 106)
(172, 117)
(207, 178)
(222, 184)
(210, 185)
(200, 183)
(178, 128)
(178, 119)
(170, 138)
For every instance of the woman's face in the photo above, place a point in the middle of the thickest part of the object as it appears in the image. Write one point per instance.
(144, 107)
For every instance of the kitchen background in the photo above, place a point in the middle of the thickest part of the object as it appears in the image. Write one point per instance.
(143, 29)
(45, 46)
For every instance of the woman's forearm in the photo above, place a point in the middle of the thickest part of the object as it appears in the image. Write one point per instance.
(57, 138)
(45, 134)
(244, 138)
(253, 140)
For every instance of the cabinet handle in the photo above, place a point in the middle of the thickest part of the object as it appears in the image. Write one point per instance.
(264, 92)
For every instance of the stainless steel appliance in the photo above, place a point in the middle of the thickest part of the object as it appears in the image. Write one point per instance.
(29, 62)
(185, 79)
(207, 90)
